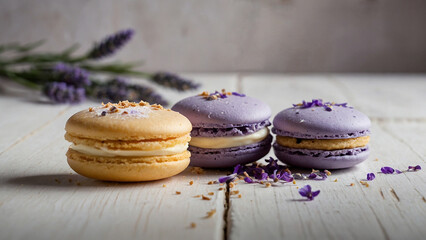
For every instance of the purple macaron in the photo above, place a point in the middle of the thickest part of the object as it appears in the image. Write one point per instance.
(337, 135)
(228, 128)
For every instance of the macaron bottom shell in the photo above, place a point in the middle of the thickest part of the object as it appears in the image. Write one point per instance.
(321, 159)
(125, 169)
(229, 157)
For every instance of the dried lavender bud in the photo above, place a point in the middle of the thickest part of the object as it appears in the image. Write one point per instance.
(173, 81)
(60, 92)
(71, 75)
(109, 45)
(118, 89)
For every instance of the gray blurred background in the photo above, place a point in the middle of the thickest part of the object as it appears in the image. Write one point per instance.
(235, 35)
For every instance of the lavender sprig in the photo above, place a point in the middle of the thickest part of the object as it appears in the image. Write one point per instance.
(71, 75)
(60, 92)
(119, 89)
(110, 44)
(65, 78)
(173, 81)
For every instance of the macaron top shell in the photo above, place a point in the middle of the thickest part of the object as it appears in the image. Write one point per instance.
(141, 122)
(319, 123)
(232, 111)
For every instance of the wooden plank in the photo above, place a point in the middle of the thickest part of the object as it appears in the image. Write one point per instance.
(385, 96)
(41, 198)
(392, 207)
(24, 114)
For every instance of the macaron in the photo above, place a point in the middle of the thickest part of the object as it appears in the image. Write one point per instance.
(229, 128)
(128, 142)
(321, 135)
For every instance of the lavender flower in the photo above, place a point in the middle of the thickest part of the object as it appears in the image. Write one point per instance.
(317, 176)
(231, 177)
(248, 180)
(306, 191)
(414, 168)
(173, 81)
(387, 170)
(282, 176)
(371, 176)
(238, 94)
(71, 75)
(60, 92)
(118, 89)
(109, 45)
(397, 171)
(228, 178)
(319, 103)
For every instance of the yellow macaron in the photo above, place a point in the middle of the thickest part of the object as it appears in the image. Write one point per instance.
(128, 142)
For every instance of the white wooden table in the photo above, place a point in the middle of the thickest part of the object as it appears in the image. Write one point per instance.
(42, 198)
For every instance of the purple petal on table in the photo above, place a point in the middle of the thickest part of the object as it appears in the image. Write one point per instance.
(414, 168)
(371, 176)
(387, 170)
(248, 180)
(228, 178)
(304, 191)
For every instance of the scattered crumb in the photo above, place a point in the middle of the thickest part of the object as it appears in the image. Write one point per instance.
(221, 184)
(221, 188)
(239, 196)
(294, 181)
(327, 172)
(57, 180)
(234, 192)
(231, 185)
(197, 170)
(210, 193)
(205, 198)
(197, 196)
(193, 225)
(335, 180)
(178, 193)
(352, 184)
(376, 159)
(204, 94)
(212, 182)
(211, 213)
(78, 183)
(164, 185)
(191, 182)
(315, 171)
(364, 183)
(268, 184)
(297, 187)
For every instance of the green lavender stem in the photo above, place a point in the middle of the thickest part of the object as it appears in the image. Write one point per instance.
(15, 77)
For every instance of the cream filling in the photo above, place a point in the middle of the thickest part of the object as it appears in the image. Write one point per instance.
(227, 142)
(105, 152)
